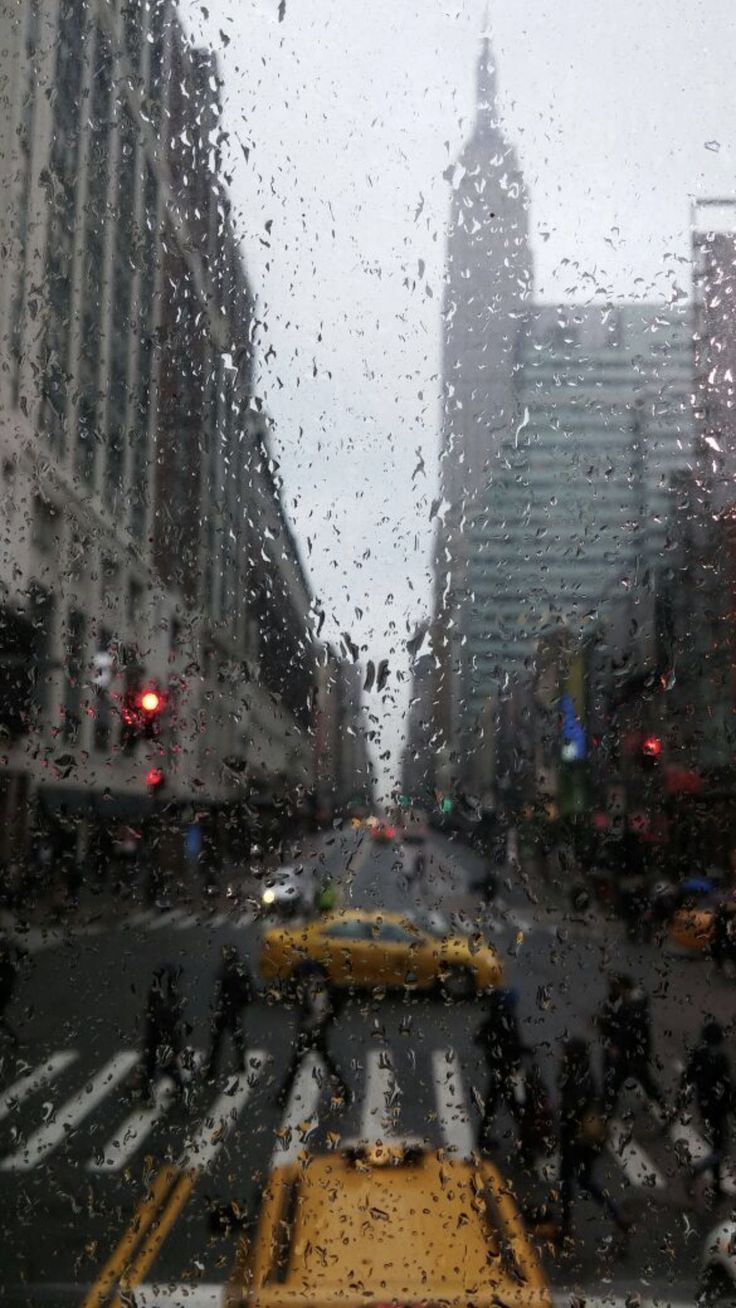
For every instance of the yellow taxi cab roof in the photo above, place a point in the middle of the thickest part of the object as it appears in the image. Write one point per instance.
(393, 1233)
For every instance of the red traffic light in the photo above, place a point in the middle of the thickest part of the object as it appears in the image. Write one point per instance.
(651, 747)
(150, 701)
(154, 778)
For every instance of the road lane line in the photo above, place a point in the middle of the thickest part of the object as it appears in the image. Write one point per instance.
(452, 1110)
(378, 1114)
(143, 1216)
(69, 1116)
(636, 1165)
(301, 1113)
(35, 1079)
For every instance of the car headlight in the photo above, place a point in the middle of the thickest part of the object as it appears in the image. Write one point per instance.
(269, 896)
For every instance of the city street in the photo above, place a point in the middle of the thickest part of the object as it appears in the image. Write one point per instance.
(78, 1152)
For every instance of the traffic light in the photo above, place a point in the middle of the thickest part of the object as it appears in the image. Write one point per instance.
(650, 751)
(141, 712)
(155, 780)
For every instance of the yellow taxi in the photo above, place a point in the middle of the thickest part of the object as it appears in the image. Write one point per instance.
(386, 1225)
(357, 948)
(692, 928)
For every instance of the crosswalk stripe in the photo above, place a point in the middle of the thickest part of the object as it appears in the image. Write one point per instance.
(219, 920)
(34, 1079)
(683, 1133)
(636, 1165)
(452, 1109)
(563, 1299)
(381, 1092)
(168, 919)
(301, 1114)
(189, 1294)
(140, 918)
(222, 1116)
(54, 1132)
(133, 1131)
(245, 919)
(187, 922)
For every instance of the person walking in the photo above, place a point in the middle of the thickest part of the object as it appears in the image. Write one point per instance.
(723, 940)
(316, 1016)
(500, 1039)
(708, 1076)
(625, 1025)
(164, 1027)
(11, 956)
(582, 1136)
(234, 992)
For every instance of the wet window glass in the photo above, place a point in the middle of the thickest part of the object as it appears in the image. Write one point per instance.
(367, 648)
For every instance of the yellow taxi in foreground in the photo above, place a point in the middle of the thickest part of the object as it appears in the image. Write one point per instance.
(386, 1225)
(356, 948)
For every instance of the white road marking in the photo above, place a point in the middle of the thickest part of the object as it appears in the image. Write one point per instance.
(187, 922)
(219, 920)
(129, 1137)
(140, 918)
(683, 1133)
(34, 1079)
(222, 1116)
(301, 1114)
(636, 1165)
(55, 1131)
(189, 1294)
(245, 919)
(661, 1299)
(168, 919)
(452, 1110)
(378, 1114)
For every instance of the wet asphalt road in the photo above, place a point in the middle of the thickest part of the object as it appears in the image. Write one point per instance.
(77, 1152)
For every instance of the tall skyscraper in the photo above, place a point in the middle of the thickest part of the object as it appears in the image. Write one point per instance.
(487, 291)
(714, 295)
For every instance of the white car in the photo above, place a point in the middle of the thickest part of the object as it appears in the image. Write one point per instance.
(718, 1279)
(288, 890)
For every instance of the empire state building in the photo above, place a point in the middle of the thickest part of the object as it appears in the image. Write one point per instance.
(488, 289)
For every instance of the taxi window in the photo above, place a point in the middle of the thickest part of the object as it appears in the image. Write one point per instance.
(392, 933)
(348, 931)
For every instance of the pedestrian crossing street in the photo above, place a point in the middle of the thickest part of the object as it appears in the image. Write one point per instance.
(56, 1106)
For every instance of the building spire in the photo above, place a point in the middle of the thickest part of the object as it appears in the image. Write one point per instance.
(486, 77)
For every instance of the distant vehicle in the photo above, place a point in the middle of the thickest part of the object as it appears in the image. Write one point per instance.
(692, 920)
(383, 832)
(376, 1218)
(365, 949)
(414, 826)
(288, 890)
(718, 1278)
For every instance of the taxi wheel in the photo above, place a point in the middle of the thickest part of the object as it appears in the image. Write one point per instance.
(458, 984)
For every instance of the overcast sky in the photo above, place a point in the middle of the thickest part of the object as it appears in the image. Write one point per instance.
(342, 120)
